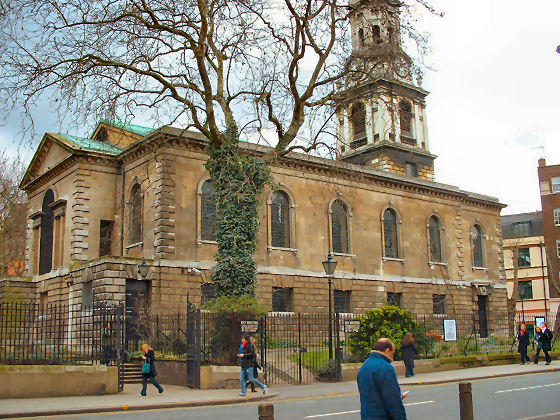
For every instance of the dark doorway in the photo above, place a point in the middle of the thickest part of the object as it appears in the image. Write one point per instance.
(137, 305)
(482, 316)
(46, 243)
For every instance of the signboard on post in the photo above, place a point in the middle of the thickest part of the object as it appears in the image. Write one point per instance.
(539, 320)
(450, 330)
(249, 326)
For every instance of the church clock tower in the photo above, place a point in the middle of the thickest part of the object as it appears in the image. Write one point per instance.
(382, 116)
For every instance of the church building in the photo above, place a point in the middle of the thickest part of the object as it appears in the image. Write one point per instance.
(128, 196)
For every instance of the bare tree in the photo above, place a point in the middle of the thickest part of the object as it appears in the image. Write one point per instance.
(12, 217)
(512, 300)
(265, 69)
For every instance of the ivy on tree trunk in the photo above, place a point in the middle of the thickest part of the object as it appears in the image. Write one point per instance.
(239, 180)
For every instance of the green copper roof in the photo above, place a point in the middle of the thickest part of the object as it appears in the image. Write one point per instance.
(93, 145)
(133, 128)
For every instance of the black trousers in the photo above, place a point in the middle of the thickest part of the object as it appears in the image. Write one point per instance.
(524, 357)
(152, 380)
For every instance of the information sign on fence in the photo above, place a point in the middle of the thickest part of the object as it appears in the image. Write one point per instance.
(249, 326)
(450, 329)
(351, 326)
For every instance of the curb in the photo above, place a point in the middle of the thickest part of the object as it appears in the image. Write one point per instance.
(123, 408)
(476, 378)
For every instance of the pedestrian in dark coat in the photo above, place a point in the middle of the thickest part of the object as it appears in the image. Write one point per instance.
(380, 393)
(523, 339)
(546, 342)
(247, 361)
(409, 352)
(149, 356)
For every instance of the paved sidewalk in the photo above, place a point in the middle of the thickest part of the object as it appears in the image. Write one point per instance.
(175, 396)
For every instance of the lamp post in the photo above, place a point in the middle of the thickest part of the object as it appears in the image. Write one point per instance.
(330, 265)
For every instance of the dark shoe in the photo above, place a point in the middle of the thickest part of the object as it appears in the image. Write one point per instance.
(407, 376)
(161, 390)
(253, 390)
(142, 395)
(535, 363)
(547, 363)
(265, 389)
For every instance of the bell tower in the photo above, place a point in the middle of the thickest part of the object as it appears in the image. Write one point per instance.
(382, 111)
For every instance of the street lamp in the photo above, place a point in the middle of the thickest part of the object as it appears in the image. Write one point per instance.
(330, 265)
(143, 268)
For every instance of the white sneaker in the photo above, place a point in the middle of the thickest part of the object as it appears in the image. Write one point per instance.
(264, 389)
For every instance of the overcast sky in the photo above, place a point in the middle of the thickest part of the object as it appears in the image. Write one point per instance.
(494, 106)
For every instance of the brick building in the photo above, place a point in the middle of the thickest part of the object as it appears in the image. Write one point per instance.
(101, 204)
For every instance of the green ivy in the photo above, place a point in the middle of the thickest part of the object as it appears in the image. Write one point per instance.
(239, 180)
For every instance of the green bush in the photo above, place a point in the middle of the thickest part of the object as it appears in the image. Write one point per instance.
(390, 322)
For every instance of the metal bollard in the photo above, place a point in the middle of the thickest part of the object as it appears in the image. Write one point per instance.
(465, 401)
(266, 412)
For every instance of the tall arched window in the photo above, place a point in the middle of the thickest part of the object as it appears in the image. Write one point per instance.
(280, 220)
(434, 229)
(391, 234)
(477, 236)
(208, 212)
(405, 117)
(46, 241)
(135, 220)
(358, 119)
(340, 230)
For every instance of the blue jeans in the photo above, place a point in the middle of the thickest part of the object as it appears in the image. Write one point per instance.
(248, 375)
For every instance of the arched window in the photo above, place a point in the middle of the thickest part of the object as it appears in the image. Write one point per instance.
(208, 212)
(358, 119)
(477, 236)
(377, 34)
(46, 241)
(135, 220)
(361, 37)
(340, 231)
(434, 229)
(280, 220)
(391, 234)
(405, 117)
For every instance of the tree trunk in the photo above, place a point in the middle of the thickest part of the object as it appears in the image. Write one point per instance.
(512, 301)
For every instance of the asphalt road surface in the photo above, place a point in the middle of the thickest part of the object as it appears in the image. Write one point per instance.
(526, 397)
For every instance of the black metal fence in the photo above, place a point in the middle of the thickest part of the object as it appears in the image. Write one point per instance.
(60, 334)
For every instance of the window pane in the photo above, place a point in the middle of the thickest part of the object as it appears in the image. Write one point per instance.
(405, 116)
(135, 225)
(477, 245)
(435, 240)
(558, 248)
(556, 184)
(359, 120)
(87, 295)
(342, 301)
(525, 290)
(557, 217)
(340, 238)
(390, 233)
(281, 299)
(208, 212)
(439, 304)
(521, 229)
(524, 257)
(105, 237)
(280, 220)
(394, 299)
(46, 240)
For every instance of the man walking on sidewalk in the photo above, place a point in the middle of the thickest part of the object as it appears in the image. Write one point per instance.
(380, 393)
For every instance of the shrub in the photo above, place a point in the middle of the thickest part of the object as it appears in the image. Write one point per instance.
(390, 322)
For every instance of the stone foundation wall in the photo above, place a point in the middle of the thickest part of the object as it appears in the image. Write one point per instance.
(20, 289)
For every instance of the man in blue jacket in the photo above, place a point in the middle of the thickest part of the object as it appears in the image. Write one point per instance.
(380, 393)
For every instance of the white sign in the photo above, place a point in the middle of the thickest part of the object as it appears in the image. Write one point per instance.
(351, 326)
(249, 326)
(450, 330)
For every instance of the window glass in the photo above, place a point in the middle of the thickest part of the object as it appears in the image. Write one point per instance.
(391, 239)
(135, 224)
(525, 290)
(280, 220)
(521, 229)
(558, 248)
(435, 240)
(208, 212)
(282, 299)
(439, 304)
(87, 295)
(557, 217)
(46, 240)
(105, 237)
(342, 301)
(394, 298)
(478, 246)
(555, 184)
(340, 234)
(524, 257)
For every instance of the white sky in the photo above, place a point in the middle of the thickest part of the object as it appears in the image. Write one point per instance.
(494, 99)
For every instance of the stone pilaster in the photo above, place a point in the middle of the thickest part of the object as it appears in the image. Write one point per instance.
(164, 203)
(460, 238)
(80, 216)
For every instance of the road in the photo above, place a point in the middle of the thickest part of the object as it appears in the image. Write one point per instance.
(518, 397)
